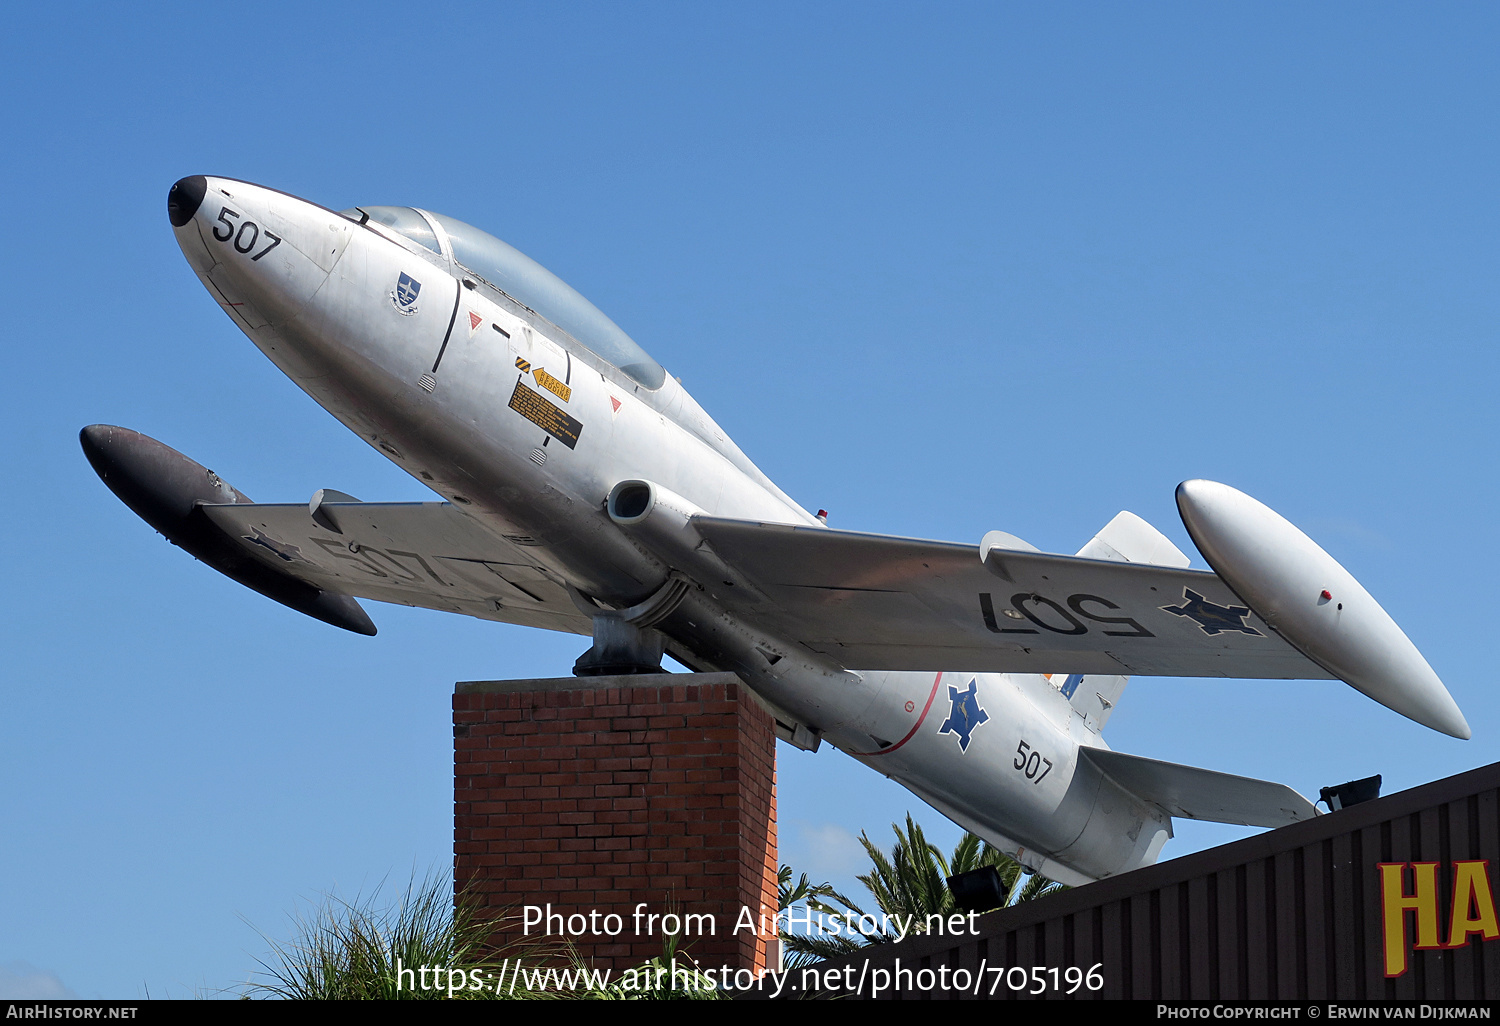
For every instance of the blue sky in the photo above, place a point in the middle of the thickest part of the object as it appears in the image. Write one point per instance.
(939, 269)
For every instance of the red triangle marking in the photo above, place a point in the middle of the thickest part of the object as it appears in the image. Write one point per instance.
(615, 403)
(474, 320)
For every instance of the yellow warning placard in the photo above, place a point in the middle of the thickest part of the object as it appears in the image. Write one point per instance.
(546, 415)
(552, 385)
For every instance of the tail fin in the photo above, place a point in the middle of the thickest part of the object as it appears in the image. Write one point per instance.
(1125, 539)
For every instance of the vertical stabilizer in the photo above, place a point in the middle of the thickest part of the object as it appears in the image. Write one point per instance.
(1129, 539)
(1125, 539)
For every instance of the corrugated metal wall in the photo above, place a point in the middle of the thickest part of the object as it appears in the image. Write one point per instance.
(1294, 913)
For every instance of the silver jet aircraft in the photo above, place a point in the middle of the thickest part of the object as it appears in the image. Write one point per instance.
(588, 493)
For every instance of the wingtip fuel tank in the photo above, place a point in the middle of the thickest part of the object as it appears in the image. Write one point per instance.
(166, 489)
(1314, 603)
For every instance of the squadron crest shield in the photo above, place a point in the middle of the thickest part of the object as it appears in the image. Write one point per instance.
(404, 296)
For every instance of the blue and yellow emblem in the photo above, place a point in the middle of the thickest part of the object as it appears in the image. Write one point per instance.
(965, 715)
(405, 294)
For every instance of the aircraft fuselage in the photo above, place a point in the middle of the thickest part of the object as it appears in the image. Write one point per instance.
(528, 430)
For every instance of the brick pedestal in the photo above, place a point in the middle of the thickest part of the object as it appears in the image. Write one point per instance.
(600, 795)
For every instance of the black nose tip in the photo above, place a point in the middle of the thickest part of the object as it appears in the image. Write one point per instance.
(184, 198)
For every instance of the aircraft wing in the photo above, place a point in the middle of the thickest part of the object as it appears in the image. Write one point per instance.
(875, 602)
(424, 554)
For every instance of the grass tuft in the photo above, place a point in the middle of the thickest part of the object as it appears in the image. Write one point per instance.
(365, 949)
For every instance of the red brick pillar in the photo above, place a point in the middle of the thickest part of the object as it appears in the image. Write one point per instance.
(600, 795)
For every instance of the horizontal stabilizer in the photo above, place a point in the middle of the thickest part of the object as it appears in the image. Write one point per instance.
(1189, 792)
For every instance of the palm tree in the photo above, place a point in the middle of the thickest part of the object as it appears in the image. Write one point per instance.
(908, 885)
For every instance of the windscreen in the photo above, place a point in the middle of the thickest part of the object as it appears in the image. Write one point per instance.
(404, 220)
(528, 282)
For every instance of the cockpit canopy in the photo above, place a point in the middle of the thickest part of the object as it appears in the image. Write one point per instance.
(525, 281)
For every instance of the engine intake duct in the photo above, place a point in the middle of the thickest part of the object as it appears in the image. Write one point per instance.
(661, 520)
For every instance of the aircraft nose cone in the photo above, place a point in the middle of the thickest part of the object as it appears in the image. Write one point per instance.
(184, 198)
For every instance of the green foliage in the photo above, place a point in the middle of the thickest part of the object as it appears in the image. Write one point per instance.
(360, 950)
(803, 893)
(909, 882)
(668, 977)
(363, 950)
